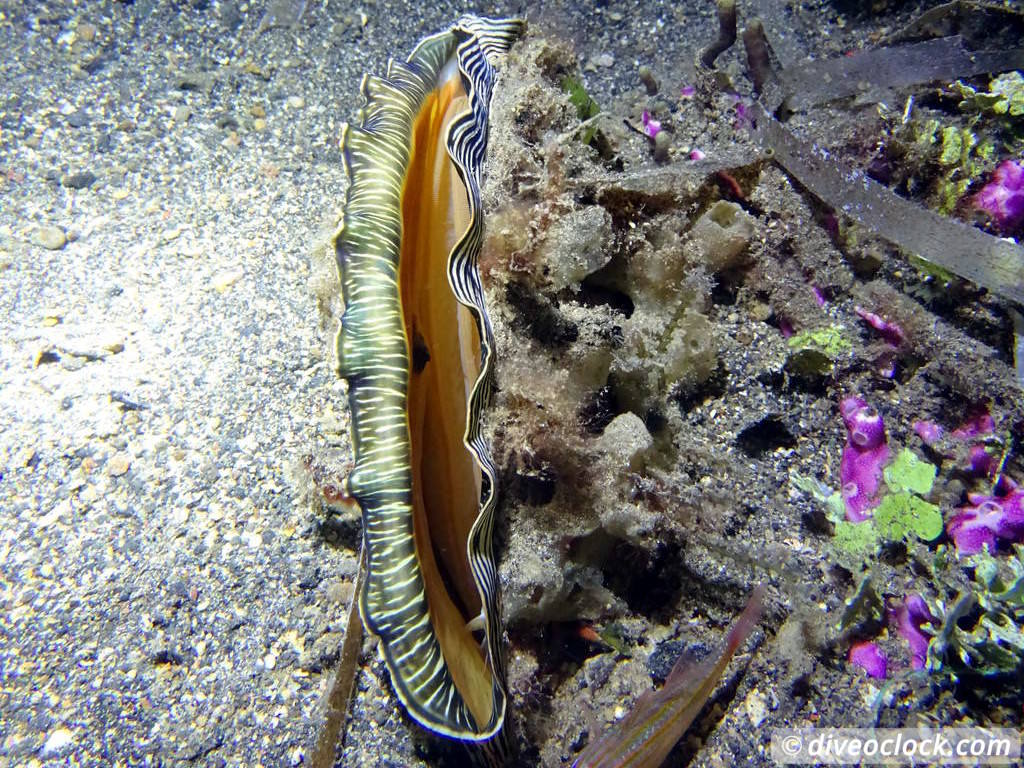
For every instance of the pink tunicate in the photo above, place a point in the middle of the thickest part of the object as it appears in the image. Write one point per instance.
(850, 405)
(978, 424)
(928, 431)
(652, 127)
(891, 332)
(743, 116)
(986, 520)
(980, 462)
(864, 424)
(1003, 197)
(910, 616)
(864, 455)
(869, 657)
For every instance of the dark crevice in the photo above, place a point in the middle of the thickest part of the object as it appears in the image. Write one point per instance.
(713, 387)
(533, 486)
(593, 294)
(539, 317)
(648, 580)
(342, 531)
(768, 434)
(629, 208)
(598, 409)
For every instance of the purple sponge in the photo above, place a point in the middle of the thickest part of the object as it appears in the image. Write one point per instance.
(1003, 197)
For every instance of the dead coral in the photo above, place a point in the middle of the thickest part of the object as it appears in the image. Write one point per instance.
(530, 113)
(599, 285)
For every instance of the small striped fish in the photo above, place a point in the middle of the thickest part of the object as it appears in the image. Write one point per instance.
(644, 738)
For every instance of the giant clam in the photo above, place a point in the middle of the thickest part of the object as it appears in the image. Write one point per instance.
(416, 348)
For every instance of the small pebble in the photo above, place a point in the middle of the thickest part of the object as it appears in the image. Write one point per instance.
(340, 592)
(182, 113)
(80, 180)
(50, 237)
(756, 706)
(606, 60)
(44, 356)
(222, 281)
(86, 32)
(52, 316)
(226, 121)
(194, 81)
(78, 119)
(118, 464)
(296, 102)
(56, 743)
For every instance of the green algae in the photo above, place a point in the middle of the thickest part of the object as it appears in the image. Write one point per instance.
(855, 543)
(1004, 97)
(902, 515)
(957, 156)
(586, 107)
(815, 352)
(909, 473)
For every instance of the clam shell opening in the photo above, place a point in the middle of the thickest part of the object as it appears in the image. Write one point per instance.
(416, 348)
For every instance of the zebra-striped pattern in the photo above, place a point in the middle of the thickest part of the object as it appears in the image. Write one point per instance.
(374, 358)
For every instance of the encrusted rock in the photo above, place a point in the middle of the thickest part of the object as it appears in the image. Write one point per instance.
(722, 234)
(626, 441)
(576, 246)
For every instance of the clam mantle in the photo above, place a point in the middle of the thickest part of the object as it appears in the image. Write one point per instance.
(416, 348)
